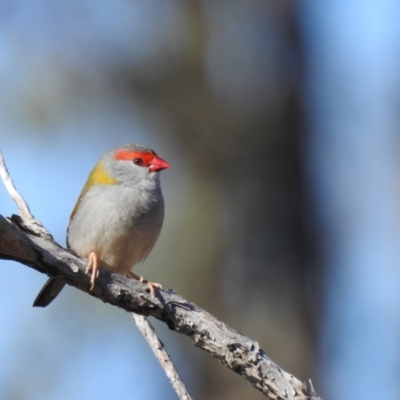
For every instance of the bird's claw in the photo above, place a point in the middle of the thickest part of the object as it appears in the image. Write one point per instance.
(151, 285)
(92, 267)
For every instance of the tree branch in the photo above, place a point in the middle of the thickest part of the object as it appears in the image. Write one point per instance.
(30, 222)
(237, 352)
(161, 354)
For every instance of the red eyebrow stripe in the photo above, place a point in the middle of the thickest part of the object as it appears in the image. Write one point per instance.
(147, 157)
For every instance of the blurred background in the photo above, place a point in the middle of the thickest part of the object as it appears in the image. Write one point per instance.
(281, 123)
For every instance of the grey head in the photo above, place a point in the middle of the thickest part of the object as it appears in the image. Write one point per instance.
(132, 164)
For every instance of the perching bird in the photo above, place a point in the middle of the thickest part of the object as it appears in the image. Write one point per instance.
(118, 216)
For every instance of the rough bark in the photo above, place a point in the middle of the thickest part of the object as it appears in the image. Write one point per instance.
(237, 352)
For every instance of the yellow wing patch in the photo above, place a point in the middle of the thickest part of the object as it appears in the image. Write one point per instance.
(98, 176)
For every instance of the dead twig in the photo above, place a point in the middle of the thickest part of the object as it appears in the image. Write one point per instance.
(161, 354)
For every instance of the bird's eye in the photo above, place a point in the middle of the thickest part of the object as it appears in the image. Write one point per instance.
(138, 161)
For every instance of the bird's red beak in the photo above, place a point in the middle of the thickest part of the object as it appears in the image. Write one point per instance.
(158, 164)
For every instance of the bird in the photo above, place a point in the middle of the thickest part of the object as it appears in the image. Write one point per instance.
(117, 218)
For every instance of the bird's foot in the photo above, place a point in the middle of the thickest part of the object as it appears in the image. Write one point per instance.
(151, 285)
(92, 267)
